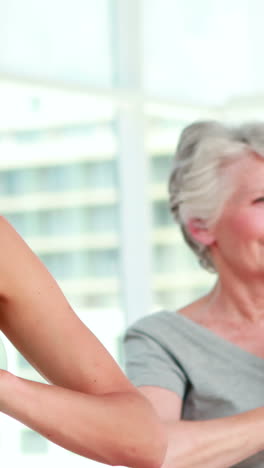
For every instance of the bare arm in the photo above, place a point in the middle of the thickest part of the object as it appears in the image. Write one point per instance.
(216, 443)
(104, 416)
(106, 428)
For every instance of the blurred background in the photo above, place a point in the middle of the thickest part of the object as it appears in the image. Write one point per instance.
(93, 96)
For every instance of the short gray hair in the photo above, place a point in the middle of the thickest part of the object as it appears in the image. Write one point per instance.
(198, 173)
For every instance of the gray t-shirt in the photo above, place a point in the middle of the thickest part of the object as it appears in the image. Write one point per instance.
(214, 377)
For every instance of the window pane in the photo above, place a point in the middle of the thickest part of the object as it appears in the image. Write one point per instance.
(160, 167)
(161, 214)
(80, 263)
(177, 276)
(32, 443)
(186, 54)
(59, 189)
(58, 46)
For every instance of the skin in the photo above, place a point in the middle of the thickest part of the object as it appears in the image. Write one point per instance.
(237, 246)
(234, 309)
(88, 405)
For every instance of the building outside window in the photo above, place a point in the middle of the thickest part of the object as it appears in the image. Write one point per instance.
(88, 131)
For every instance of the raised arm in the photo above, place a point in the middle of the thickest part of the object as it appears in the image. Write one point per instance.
(90, 407)
(216, 443)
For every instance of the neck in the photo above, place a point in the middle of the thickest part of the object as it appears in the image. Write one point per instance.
(237, 299)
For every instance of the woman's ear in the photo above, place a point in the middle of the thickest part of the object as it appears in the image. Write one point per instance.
(200, 232)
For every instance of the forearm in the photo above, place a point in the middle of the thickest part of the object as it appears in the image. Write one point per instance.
(217, 443)
(116, 428)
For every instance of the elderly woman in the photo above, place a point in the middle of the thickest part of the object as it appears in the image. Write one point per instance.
(89, 405)
(202, 367)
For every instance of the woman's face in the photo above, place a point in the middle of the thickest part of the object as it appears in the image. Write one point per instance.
(239, 233)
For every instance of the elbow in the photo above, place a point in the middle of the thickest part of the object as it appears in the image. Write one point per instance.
(153, 453)
(132, 435)
(147, 449)
(153, 457)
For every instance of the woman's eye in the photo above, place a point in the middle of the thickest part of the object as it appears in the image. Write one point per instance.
(259, 200)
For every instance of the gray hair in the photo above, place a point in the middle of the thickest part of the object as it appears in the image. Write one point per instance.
(198, 174)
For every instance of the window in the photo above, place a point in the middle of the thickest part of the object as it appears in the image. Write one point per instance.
(93, 98)
(32, 443)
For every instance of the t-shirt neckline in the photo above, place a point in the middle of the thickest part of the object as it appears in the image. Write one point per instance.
(214, 337)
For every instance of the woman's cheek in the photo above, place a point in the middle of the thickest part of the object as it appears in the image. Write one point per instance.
(249, 226)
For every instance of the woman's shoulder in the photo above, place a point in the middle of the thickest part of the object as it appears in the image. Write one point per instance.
(153, 319)
(165, 317)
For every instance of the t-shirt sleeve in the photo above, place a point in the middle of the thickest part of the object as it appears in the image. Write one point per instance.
(148, 362)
